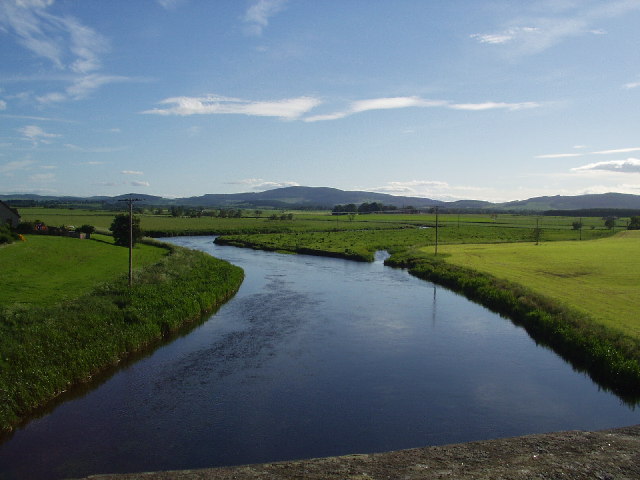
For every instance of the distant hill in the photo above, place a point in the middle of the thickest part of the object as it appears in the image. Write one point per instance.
(320, 197)
(326, 198)
(578, 202)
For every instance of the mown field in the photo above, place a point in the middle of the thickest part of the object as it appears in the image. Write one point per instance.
(600, 278)
(46, 269)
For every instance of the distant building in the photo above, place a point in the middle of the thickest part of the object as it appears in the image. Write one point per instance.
(9, 215)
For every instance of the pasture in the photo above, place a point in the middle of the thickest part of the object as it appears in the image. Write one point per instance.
(599, 278)
(45, 269)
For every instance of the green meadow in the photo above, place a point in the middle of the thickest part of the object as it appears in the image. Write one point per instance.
(600, 278)
(44, 269)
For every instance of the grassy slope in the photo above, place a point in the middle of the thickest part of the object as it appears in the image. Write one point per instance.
(47, 347)
(46, 269)
(599, 277)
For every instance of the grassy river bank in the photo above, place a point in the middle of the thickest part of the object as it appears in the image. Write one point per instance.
(67, 318)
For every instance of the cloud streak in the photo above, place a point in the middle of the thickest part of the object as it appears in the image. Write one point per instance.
(288, 109)
(535, 33)
(361, 106)
(259, 13)
(630, 165)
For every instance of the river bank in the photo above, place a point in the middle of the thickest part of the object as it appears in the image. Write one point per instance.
(572, 455)
(610, 358)
(47, 350)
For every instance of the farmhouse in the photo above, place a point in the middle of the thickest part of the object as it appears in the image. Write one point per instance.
(9, 215)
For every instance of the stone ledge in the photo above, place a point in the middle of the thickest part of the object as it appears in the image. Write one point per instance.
(602, 455)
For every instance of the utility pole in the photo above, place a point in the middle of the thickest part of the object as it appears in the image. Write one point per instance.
(130, 203)
(436, 253)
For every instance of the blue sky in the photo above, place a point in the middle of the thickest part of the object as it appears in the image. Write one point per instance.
(459, 99)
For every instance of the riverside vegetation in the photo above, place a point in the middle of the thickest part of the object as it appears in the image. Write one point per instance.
(609, 353)
(67, 312)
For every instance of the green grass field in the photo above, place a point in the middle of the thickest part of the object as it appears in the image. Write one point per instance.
(313, 222)
(47, 269)
(600, 277)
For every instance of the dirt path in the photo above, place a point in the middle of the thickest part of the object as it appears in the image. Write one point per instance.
(604, 455)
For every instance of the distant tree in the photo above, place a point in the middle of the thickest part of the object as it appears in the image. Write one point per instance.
(88, 229)
(610, 222)
(176, 211)
(577, 225)
(258, 213)
(634, 223)
(120, 230)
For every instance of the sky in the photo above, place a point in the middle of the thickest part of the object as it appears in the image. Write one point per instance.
(492, 100)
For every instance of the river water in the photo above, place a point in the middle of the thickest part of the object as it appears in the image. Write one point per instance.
(314, 357)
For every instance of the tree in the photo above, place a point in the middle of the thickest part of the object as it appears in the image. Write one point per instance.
(120, 230)
(610, 222)
(634, 224)
(86, 229)
(576, 225)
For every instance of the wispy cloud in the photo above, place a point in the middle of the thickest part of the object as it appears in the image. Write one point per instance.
(257, 16)
(131, 172)
(43, 177)
(15, 165)
(494, 106)
(170, 4)
(406, 102)
(534, 33)
(630, 165)
(560, 155)
(618, 150)
(290, 108)
(436, 190)
(631, 85)
(138, 183)
(36, 135)
(3, 105)
(64, 41)
(260, 184)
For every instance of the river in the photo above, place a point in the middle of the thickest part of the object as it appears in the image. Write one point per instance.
(314, 357)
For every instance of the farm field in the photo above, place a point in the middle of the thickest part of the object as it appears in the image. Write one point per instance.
(599, 277)
(165, 224)
(44, 269)
(364, 243)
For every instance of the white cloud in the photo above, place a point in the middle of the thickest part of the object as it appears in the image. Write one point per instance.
(258, 14)
(260, 184)
(630, 165)
(559, 155)
(64, 41)
(437, 190)
(3, 105)
(170, 4)
(619, 150)
(494, 105)
(405, 102)
(82, 87)
(535, 33)
(140, 184)
(290, 108)
(36, 134)
(131, 172)
(632, 85)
